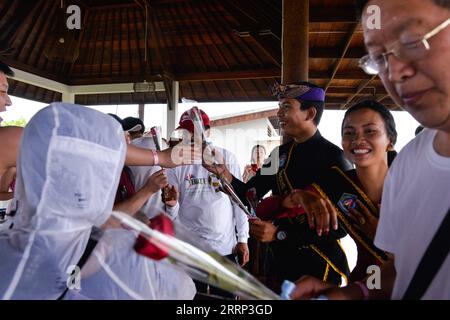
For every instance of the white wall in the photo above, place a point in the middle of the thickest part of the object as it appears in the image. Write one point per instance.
(240, 138)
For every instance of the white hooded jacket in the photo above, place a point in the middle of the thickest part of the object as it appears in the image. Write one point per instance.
(67, 177)
(114, 271)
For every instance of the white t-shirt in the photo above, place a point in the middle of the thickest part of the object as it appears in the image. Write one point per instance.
(154, 204)
(207, 212)
(416, 198)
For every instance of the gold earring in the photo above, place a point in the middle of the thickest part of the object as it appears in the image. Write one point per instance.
(390, 147)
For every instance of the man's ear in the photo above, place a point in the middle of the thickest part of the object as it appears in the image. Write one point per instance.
(311, 113)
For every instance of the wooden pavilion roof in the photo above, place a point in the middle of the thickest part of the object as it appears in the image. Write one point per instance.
(219, 50)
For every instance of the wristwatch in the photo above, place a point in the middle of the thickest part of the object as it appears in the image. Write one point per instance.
(281, 235)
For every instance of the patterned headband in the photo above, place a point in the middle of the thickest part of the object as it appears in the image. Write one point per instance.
(298, 91)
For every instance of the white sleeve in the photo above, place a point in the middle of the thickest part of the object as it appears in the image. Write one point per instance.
(386, 235)
(173, 211)
(240, 218)
(173, 180)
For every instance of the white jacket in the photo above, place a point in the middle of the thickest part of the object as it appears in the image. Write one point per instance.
(67, 176)
(114, 271)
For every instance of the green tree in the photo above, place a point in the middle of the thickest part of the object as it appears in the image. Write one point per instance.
(21, 122)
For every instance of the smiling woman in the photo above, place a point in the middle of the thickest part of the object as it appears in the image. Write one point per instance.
(368, 132)
(352, 197)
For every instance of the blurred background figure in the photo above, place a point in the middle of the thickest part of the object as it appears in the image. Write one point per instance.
(256, 161)
(134, 126)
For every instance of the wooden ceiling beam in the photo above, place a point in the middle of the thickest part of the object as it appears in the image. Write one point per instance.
(119, 6)
(336, 66)
(221, 32)
(219, 52)
(267, 38)
(343, 14)
(86, 20)
(111, 44)
(262, 74)
(374, 90)
(271, 73)
(333, 53)
(341, 75)
(317, 14)
(142, 66)
(383, 97)
(105, 31)
(162, 55)
(214, 7)
(245, 12)
(244, 117)
(130, 58)
(228, 75)
(206, 37)
(361, 87)
(94, 49)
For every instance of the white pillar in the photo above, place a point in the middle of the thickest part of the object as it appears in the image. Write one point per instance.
(68, 97)
(172, 110)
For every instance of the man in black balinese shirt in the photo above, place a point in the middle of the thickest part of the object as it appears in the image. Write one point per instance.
(294, 250)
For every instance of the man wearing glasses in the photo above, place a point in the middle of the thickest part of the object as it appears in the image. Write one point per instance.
(411, 55)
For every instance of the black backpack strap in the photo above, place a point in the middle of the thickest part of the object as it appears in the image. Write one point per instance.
(431, 262)
(87, 252)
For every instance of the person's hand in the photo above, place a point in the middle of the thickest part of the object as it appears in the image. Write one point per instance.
(214, 162)
(364, 220)
(308, 287)
(156, 181)
(292, 200)
(241, 250)
(180, 154)
(217, 168)
(320, 212)
(170, 195)
(262, 230)
(248, 173)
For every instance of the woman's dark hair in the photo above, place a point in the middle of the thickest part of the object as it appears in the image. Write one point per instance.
(418, 130)
(384, 112)
(360, 4)
(6, 70)
(391, 155)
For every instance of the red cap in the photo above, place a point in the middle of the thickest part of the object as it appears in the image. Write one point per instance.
(186, 122)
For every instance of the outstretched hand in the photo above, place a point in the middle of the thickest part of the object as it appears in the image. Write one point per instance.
(214, 162)
(320, 212)
(308, 287)
(364, 220)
